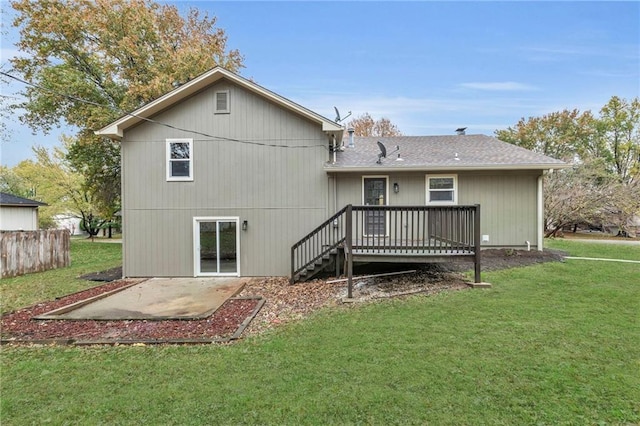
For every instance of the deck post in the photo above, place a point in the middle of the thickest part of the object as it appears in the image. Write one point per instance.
(476, 237)
(293, 266)
(348, 246)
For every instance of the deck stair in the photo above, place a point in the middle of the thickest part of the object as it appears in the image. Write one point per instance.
(327, 261)
(318, 250)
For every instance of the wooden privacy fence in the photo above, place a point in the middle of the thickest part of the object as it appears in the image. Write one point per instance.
(23, 252)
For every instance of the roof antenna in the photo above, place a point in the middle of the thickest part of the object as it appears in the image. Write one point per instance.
(338, 118)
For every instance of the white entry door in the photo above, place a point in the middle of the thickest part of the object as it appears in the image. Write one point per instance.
(216, 246)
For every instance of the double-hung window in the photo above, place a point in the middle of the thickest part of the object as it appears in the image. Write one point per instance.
(442, 189)
(179, 159)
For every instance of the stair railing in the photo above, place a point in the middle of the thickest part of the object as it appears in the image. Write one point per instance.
(318, 244)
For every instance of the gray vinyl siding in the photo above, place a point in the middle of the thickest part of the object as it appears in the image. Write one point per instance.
(508, 200)
(508, 206)
(281, 192)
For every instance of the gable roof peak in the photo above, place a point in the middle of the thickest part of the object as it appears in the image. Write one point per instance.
(116, 129)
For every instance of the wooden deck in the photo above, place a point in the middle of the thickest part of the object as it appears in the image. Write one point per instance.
(389, 250)
(402, 234)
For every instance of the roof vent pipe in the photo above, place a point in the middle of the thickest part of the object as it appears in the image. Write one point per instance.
(351, 130)
(461, 131)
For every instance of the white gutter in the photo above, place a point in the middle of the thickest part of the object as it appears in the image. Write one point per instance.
(540, 205)
(335, 148)
(348, 169)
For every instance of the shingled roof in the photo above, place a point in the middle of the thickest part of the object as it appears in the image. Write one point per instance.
(14, 201)
(454, 152)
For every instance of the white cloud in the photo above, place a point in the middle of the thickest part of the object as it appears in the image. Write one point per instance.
(502, 86)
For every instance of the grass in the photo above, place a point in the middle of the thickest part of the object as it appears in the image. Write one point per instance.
(595, 249)
(86, 257)
(555, 344)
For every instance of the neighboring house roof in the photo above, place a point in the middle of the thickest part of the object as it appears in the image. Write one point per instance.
(14, 201)
(454, 152)
(116, 129)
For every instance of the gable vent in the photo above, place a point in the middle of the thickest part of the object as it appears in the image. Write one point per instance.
(222, 101)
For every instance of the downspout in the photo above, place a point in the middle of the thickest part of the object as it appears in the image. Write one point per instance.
(540, 213)
(335, 148)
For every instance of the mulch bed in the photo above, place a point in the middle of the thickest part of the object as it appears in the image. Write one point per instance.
(223, 325)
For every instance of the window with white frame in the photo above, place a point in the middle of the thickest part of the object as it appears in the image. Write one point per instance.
(180, 159)
(442, 189)
(222, 102)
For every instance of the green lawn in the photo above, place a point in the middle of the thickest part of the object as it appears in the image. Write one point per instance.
(86, 257)
(550, 344)
(595, 249)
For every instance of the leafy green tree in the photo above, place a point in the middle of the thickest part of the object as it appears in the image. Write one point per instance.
(53, 181)
(40, 180)
(620, 124)
(91, 61)
(562, 135)
(11, 183)
(101, 178)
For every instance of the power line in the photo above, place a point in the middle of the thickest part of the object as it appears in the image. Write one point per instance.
(160, 123)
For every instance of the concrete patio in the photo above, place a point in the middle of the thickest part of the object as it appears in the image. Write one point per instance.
(156, 299)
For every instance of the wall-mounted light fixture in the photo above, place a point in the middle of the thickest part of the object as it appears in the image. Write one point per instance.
(396, 187)
(245, 225)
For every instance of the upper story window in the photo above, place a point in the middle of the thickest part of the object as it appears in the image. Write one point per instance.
(222, 102)
(442, 189)
(180, 159)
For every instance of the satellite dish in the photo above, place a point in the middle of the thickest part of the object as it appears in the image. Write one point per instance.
(383, 152)
(338, 118)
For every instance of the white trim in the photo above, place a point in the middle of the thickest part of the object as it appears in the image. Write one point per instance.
(196, 245)
(386, 198)
(168, 160)
(428, 190)
(215, 102)
(540, 201)
(386, 203)
(330, 168)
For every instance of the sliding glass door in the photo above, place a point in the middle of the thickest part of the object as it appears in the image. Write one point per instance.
(216, 246)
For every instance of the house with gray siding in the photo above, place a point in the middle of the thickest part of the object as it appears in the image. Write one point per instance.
(221, 176)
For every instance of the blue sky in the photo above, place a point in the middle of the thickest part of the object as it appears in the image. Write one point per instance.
(430, 67)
